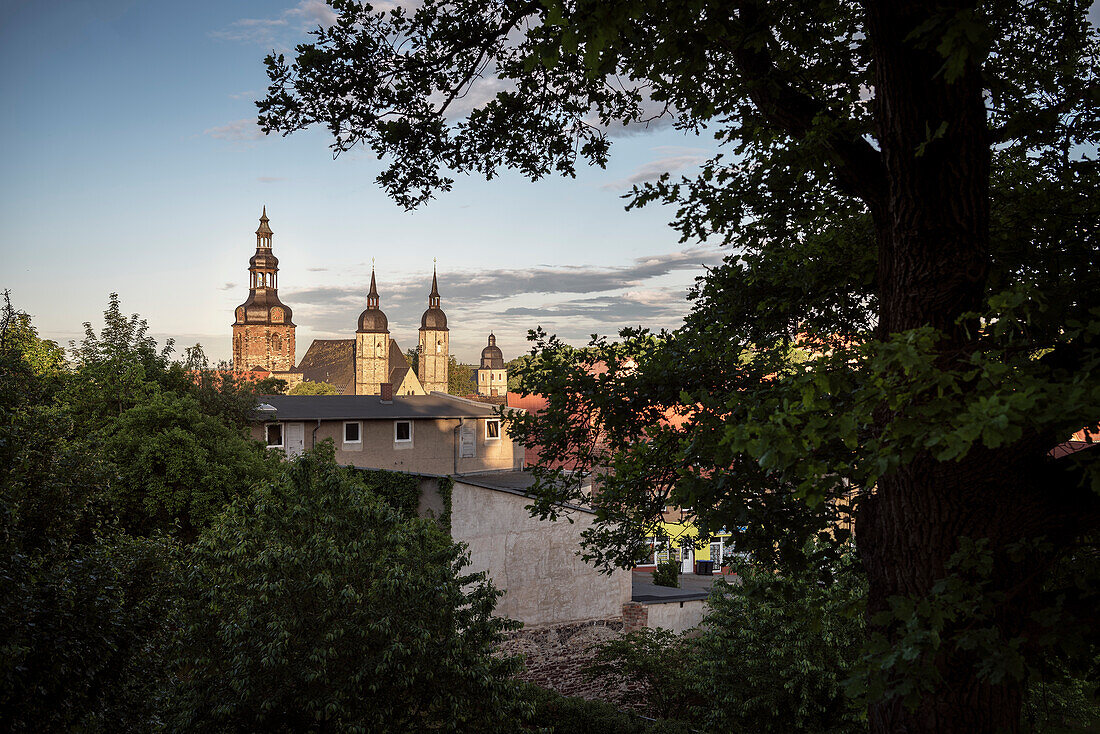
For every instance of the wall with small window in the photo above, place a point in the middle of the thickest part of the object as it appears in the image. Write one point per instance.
(353, 436)
(420, 445)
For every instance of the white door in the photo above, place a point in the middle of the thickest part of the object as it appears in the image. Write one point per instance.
(687, 556)
(295, 439)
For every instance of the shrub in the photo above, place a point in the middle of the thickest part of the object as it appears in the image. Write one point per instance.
(659, 663)
(567, 715)
(667, 573)
(776, 650)
(319, 606)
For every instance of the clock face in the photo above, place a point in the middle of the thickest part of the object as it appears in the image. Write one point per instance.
(240, 314)
(277, 315)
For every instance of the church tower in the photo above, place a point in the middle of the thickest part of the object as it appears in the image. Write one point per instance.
(263, 334)
(372, 346)
(492, 378)
(435, 353)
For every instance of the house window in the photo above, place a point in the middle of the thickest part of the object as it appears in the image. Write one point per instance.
(402, 431)
(275, 435)
(492, 429)
(351, 432)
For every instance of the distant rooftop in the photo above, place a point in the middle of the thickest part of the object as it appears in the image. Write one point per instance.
(370, 407)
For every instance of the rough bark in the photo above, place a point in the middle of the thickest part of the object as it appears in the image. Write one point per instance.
(933, 262)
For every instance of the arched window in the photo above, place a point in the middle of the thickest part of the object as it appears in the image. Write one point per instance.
(276, 343)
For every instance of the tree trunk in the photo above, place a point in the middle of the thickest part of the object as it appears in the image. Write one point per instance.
(933, 262)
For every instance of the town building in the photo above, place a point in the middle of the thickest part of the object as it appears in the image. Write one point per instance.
(435, 434)
(439, 435)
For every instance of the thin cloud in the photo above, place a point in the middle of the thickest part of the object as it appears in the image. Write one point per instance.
(293, 22)
(655, 169)
(270, 179)
(227, 286)
(238, 131)
(574, 301)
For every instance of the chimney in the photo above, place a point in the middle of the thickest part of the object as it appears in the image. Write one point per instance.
(386, 395)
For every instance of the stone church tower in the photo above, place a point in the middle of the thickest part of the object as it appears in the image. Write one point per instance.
(372, 346)
(492, 378)
(263, 334)
(435, 353)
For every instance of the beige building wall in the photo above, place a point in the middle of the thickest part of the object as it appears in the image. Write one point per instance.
(492, 382)
(535, 562)
(432, 450)
(372, 362)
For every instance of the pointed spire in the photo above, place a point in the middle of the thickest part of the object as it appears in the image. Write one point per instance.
(372, 294)
(433, 297)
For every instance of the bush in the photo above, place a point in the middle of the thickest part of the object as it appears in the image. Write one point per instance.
(317, 605)
(659, 664)
(667, 573)
(81, 632)
(776, 650)
(567, 715)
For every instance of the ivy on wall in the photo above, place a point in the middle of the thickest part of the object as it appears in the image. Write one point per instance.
(446, 489)
(400, 491)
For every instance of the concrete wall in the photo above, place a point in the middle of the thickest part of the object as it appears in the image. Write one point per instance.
(675, 616)
(535, 562)
(431, 451)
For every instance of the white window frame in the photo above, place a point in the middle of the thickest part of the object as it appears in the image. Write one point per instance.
(402, 440)
(487, 422)
(282, 435)
(359, 424)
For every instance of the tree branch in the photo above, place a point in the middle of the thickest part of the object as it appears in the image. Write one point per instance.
(860, 170)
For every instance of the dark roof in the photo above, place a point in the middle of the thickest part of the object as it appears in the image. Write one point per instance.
(370, 407)
(433, 320)
(331, 361)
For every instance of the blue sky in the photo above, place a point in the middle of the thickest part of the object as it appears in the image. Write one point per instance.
(132, 164)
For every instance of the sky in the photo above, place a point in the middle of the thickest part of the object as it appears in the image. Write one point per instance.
(132, 164)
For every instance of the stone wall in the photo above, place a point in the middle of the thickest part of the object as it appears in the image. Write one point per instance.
(555, 656)
(267, 346)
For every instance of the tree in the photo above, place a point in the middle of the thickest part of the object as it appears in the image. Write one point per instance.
(313, 388)
(318, 606)
(460, 378)
(910, 199)
(81, 604)
(271, 386)
(169, 437)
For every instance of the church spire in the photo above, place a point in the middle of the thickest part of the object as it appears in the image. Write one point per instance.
(372, 294)
(433, 297)
(372, 320)
(263, 233)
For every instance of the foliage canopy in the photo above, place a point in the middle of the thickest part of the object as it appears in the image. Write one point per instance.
(908, 190)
